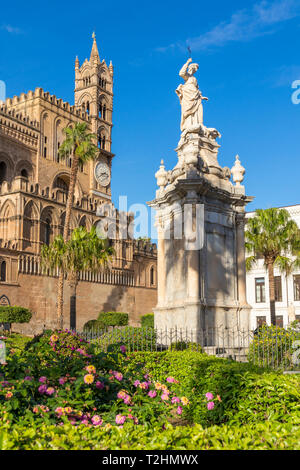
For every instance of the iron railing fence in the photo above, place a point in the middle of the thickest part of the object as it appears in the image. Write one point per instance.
(275, 347)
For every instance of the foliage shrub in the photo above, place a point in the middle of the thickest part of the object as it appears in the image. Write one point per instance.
(113, 318)
(248, 393)
(59, 378)
(94, 325)
(183, 345)
(135, 339)
(263, 436)
(10, 314)
(147, 320)
(273, 346)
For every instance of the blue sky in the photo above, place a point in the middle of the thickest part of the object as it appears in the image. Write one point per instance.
(248, 52)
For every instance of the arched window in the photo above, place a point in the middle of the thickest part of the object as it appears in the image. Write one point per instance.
(3, 172)
(61, 184)
(100, 110)
(101, 141)
(152, 276)
(104, 112)
(24, 173)
(88, 107)
(3, 271)
(47, 231)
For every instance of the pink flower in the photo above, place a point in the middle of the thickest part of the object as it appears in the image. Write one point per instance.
(136, 383)
(179, 410)
(43, 379)
(165, 396)
(27, 377)
(175, 400)
(209, 396)
(42, 388)
(120, 419)
(127, 400)
(62, 380)
(99, 385)
(118, 376)
(50, 390)
(144, 385)
(84, 421)
(210, 405)
(123, 349)
(170, 379)
(96, 420)
(80, 351)
(152, 394)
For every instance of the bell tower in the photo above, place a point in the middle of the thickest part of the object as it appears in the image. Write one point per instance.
(94, 95)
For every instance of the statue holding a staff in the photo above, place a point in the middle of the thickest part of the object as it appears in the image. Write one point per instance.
(190, 97)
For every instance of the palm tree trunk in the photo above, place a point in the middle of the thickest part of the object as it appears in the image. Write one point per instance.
(73, 281)
(272, 292)
(60, 293)
(60, 300)
(73, 178)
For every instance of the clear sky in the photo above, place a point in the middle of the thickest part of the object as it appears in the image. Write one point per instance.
(249, 56)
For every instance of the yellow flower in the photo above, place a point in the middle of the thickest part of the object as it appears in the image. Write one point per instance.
(158, 386)
(88, 378)
(184, 401)
(53, 338)
(68, 409)
(91, 369)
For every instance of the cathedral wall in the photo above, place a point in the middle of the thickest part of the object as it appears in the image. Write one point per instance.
(38, 293)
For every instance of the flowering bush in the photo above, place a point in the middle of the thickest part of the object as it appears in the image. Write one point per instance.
(59, 378)
(248, 393)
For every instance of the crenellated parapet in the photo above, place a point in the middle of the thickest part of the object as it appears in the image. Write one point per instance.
(145, 248)
(39, 94)
(19, 127)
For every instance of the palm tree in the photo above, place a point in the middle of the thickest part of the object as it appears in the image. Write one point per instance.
(83, 251)
(79, 144)
(272, 235)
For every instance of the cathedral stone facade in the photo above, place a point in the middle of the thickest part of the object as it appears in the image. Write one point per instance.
(33, 192)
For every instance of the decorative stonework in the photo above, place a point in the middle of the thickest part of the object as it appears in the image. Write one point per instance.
(200, 285)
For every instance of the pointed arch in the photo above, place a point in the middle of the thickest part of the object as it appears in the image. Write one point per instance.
(30, 224)
(7, 220)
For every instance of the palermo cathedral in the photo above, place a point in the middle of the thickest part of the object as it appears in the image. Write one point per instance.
(33, 192)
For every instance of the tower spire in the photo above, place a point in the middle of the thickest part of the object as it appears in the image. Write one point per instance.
(94, 53)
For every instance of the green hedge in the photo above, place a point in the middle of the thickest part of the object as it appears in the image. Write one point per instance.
(249, 393)
(113, 318)
(14, 314)
(147, 320)
(135, 339)
(93, 325)
(263, 436)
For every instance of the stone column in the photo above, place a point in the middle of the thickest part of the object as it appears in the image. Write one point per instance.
(241, 270)
(192, 257)
(161, 265)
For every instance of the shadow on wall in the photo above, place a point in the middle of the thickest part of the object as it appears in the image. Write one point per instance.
(217, 283)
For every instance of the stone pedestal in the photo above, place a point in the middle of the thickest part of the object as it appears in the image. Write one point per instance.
(200, 222)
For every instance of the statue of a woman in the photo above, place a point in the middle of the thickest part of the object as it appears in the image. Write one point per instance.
(190, 97)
